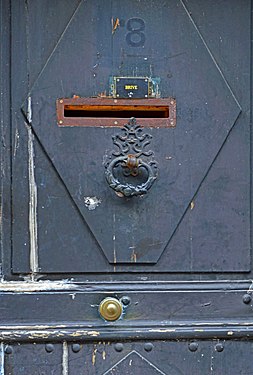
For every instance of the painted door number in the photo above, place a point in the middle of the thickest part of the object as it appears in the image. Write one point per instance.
(135, 36)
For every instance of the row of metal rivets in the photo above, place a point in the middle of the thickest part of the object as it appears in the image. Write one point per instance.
(147, 346)
(193, 347)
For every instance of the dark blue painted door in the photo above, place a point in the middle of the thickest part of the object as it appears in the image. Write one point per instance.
(178, 258)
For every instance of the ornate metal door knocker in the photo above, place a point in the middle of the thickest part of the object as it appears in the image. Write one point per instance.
(134, 160)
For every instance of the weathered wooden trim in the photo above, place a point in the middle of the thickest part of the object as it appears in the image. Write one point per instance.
(5, 144)
(177, 286)
(180, 310)
(240, 331)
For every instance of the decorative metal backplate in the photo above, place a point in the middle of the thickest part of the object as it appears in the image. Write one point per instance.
(133, 157)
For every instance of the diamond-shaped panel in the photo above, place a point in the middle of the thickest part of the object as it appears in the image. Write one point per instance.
(130, 363)
(135, 230)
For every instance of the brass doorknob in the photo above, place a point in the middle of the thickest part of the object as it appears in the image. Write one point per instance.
(110, 309)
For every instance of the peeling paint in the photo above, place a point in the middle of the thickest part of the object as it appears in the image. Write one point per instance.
(16, 142)
(92, 202)
(115, 25)
(114, 241)
(162, 330)
(38, 286)
(250, 290)
(73, 295)
(133, 257)
(33, 195)
(65, 359)
(93, 358)
(2, 359)
(93, 333)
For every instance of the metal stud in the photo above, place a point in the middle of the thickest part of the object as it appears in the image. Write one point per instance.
(193, 346)
(118, 347)
(219, 347)
(246, 298)
(148, 346)
(125, 300)
(8, 349)
(76, 348)
(49, 348)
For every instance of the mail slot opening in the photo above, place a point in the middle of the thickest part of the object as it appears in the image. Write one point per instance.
(111, 112)
(116, 112)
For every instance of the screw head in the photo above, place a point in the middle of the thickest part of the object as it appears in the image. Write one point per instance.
(118, 347)
(125, 300)
(49, 348)
(60, 122)
(76, 348)
(193, 346)
(219, 347)
(148, 346)
(8, 349)
(246, 298)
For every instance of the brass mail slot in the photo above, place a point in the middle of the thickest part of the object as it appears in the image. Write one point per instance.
(115, 112)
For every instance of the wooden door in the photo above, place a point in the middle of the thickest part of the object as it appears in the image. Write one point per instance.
(164, 87)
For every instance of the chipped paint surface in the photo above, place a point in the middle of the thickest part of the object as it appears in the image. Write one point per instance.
(162, 330)
(65, 359)
(114, 241)
(92, 202)
(133, 257)
(94, 353)
(44, 334)
(115, 24)
(16, 143)
(2, 358)
(32, 195)
(39, 286)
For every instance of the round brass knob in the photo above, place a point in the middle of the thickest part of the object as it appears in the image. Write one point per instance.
(110, 309)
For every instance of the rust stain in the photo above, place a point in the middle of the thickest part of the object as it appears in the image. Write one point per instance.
(115, 25)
